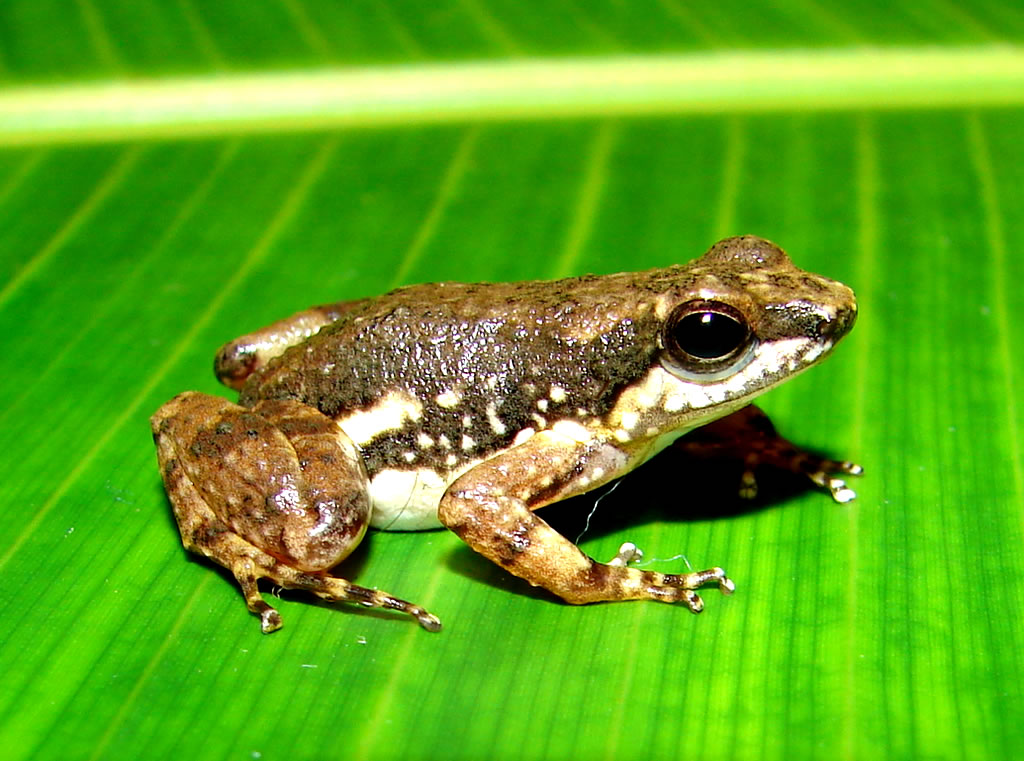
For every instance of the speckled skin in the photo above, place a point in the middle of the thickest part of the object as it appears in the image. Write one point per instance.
(474, 405)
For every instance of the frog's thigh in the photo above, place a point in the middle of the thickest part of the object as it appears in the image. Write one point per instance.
(491, 509)
(281, 475)
(238, 359)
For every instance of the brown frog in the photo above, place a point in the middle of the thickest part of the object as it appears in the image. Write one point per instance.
(470, 406)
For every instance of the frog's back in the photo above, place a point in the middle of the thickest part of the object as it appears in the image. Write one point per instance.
(446, 372)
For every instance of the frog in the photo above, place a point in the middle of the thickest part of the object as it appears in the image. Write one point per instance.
(470, 406)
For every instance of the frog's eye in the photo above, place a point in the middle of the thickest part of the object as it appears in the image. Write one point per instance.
(708, 339)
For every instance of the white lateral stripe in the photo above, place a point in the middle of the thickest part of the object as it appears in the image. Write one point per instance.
(389, 414)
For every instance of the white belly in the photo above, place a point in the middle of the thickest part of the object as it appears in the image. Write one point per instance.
(406, 500)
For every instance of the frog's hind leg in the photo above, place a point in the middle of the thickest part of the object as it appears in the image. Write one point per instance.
(275, 492)
(203, 533)
(238, 359)
(749, 436)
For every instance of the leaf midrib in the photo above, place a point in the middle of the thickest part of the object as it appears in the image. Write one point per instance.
(519, 88)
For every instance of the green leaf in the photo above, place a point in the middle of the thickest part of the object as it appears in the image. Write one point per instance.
(148, 213)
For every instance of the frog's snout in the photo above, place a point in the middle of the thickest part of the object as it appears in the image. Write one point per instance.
(841, 315)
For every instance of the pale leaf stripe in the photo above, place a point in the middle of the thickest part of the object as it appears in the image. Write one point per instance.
(619, 85)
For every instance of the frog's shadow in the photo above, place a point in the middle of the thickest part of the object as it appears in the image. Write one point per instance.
(648, 494)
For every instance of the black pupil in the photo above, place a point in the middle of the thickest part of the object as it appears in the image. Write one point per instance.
(709, 335)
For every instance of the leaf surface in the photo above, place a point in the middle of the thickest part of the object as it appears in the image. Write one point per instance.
(129, 251)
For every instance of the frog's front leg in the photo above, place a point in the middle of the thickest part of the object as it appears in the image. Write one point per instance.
(276, 491)
(491, 508)
(749, 436)
(238, 359)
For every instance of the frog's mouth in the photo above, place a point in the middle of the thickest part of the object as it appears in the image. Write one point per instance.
(765, 365)
(775, 362)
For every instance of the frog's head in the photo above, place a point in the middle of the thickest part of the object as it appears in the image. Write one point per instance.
(739, 320)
